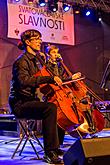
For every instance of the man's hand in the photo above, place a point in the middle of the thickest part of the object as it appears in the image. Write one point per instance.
(76, 75)
(57, 80)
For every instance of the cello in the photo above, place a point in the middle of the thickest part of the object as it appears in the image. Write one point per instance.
(94, 119)
(70, 110)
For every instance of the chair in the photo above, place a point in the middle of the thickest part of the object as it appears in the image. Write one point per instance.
(27, 133)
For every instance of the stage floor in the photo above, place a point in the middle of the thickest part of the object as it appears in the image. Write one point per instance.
(28, 156)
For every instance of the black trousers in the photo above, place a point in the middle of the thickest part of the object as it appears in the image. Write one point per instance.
(61, 134)
(33, 109)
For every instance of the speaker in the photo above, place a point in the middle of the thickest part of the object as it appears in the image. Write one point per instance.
(94, 151)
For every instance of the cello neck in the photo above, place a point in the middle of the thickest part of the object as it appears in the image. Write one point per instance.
(44, 64)
(66, 68)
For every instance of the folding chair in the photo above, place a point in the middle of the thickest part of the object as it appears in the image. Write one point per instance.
(28, 133)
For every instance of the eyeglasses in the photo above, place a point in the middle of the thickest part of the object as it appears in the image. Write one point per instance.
(35, 39)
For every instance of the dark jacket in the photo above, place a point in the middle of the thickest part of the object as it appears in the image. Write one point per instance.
(58, 70)
(24, 82)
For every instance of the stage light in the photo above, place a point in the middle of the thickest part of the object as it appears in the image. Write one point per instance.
(100, 19)
(99, 14)
(16, 0)
(53, 5)
(66, 7)
(30, 1)
(88, 13)
(42, 3)
(76, 9)
(77, 12)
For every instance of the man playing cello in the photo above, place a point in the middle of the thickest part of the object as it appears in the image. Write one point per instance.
(54, 64)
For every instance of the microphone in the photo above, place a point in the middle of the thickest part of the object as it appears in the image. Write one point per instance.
(59, 57)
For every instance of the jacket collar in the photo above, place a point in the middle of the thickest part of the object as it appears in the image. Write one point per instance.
(30, 56)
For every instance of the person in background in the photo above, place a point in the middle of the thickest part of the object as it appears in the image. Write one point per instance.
(54, 64)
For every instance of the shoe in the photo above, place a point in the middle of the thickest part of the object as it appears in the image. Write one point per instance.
(51, 157)
(59, 152)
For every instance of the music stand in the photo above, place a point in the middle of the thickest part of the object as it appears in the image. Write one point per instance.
(105, 82)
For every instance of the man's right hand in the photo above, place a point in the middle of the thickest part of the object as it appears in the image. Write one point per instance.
(57, 80)
(76, 75)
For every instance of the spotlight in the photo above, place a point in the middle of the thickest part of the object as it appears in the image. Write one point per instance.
(66, 7)
(88, 13)
(53, 5)
(99, 14)
(30, 1)
(76, 9)
(16, 0)
(100, 19)
(77, 12)
(42, 3)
